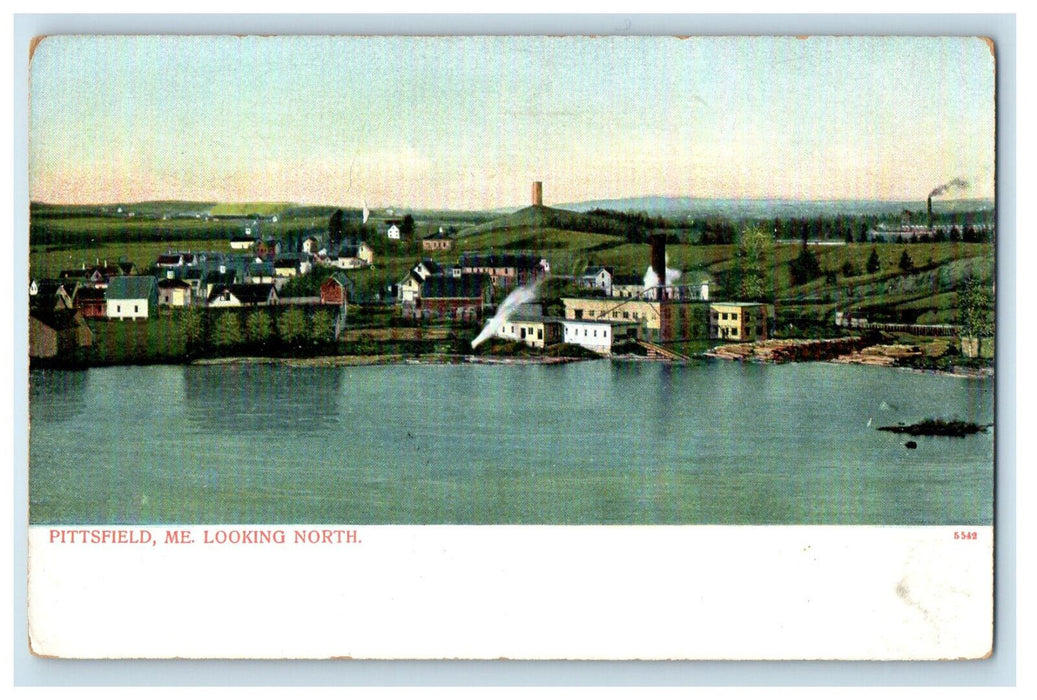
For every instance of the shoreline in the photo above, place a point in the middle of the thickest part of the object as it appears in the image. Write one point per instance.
(770, 352)
(388, 359)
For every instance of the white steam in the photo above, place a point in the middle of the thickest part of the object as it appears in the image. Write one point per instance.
(652, 279)
(518, 297)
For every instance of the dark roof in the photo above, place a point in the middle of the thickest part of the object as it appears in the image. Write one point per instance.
(341, 278)
(84, 294)
(242, 239)
(48, 288)
(431, 265)
(174, 282)
(446, 287)
(518, 261)
(438, 235)
(245, 293)
(217, 277)
(133, 287)
(174, 258)
(627, 279)
(58, 319)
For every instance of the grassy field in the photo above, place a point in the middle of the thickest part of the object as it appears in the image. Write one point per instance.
(249, 208)
(48, 261)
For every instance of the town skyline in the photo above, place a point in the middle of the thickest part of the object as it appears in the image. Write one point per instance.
(467, 123)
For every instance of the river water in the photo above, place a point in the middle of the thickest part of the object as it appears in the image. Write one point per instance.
(585, 443)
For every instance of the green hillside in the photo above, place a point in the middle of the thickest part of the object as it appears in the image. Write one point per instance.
(249, 208)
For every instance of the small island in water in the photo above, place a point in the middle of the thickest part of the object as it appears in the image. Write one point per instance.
(938, 426)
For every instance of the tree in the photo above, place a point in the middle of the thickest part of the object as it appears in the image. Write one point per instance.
(407, 227)
(873, 264)
(335, 228)
(322, 327)
(192, 326)
(906, 264)
(227, 330)
(975, 303)
(850, 270)
(291, 326)
(258, 327)
(754, 246)
(804, 267)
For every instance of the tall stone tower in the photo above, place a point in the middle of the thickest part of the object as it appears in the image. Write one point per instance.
(538, 193)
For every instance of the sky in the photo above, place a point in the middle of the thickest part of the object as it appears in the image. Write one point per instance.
(468, 123)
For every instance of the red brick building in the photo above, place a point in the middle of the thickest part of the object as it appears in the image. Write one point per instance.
(336, 289)
(463, 298)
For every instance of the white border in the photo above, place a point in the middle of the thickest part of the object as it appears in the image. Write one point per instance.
(999, 670)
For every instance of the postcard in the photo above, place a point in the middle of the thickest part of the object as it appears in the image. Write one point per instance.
(520, 347)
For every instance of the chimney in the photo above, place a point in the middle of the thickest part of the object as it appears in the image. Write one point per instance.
(929, 207)
(659, 259)
(538, 193)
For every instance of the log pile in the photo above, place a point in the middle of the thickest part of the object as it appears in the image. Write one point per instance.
(790, 350)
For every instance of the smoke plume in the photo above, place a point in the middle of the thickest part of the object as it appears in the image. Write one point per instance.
(507, 308)
(652, 280)
(955, 184)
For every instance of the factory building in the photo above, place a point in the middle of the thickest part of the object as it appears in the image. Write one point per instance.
(740, 321)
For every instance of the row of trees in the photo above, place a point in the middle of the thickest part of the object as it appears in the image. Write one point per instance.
(288, 328)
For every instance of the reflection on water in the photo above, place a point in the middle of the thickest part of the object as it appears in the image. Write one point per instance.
(592, 442)
(261, 400)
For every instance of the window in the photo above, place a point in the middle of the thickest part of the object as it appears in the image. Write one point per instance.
(540, 333)
(118, 308)
(135, 309)
(626, 314)
(734, 317)
(595, 333)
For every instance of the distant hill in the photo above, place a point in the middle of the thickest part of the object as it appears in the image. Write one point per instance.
(541, 217)
(249, 208)
(767, 208)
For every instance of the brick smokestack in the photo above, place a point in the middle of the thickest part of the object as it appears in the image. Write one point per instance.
(659, 258)
(929, 208)
(538, 194)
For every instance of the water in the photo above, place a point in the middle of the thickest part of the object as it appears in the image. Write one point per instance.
(584, 443)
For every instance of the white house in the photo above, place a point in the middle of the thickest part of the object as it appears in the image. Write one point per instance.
(310, 245)
(393, 232)
(598, 336)
(597, 278)
(235, 295)
(131, 297)
(410, 287)
(352, 256)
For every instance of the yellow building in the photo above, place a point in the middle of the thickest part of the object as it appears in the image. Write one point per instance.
(665, 322)
(740, 321)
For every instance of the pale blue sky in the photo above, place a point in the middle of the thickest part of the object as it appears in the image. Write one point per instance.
(468, 122)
